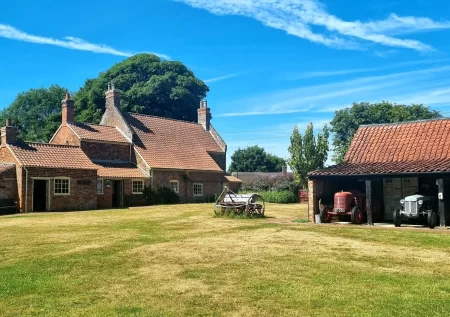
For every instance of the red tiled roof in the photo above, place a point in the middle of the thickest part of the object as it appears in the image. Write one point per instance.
(89, 131)
(410, 147)
(232, 179)
(118, 170)
(50, 155)
(173, 144)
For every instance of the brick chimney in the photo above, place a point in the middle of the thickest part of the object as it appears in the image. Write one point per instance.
(68, 112)
(284, 171)
(204, 115)
(8, 133)
(112, 97)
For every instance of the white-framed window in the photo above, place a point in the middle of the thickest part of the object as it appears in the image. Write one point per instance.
(99, 186)
(197, 189)
(175, 186)
(138, 186)
(62, 186)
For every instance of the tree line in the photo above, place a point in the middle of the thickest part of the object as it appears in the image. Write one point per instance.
(148, 85)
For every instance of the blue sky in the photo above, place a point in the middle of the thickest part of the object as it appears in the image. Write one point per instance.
(270, 64)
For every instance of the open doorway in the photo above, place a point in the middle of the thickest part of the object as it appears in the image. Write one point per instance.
(117, 197)
(40, 195)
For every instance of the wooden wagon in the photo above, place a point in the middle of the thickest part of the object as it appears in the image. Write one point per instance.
(251, 205)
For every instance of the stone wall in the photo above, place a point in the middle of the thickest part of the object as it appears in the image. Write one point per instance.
(64, 135)
(212, 183)
(83, 188)
(106, 151)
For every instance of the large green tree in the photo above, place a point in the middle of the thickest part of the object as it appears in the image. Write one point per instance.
(308, 152)
(36, 112)
(148, 85)
(346, 121)
(255, 159)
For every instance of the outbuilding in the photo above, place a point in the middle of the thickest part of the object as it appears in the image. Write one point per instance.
(387, 162)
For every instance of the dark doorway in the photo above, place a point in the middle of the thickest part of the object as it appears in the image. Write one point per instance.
(40, 197)
(117, 197)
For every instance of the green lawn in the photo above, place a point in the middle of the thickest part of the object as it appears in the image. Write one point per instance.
(181, 261)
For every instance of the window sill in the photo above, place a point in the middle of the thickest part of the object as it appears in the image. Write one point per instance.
(54, 194)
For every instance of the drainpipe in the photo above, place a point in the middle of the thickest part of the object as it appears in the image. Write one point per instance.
(151, 178)
(26, 189)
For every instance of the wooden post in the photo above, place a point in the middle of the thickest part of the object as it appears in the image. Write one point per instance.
(369, 202)
(440, 183)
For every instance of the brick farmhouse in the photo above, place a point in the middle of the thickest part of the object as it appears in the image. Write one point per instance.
(87, 166)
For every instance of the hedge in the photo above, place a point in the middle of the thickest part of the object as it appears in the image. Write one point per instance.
(283, 197)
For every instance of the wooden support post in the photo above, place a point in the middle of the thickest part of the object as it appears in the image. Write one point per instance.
(440, 183)
(369, 202)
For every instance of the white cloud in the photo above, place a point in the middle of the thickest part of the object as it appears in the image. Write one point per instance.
(329, 73)
(299, 17)
(69, 42)
(327, 97)
(212, 80)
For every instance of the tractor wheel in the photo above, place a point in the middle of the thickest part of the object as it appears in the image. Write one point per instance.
(357, 215)
(325, 217)
(431, 219)
(397, 218)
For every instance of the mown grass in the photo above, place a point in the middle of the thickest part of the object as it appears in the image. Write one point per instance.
(182, 261)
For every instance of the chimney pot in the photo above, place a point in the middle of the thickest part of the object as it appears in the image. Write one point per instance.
(284, 171)
(8, 123)
(204, 115)
(68, 112)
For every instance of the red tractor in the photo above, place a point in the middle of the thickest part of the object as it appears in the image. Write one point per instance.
(350, 204)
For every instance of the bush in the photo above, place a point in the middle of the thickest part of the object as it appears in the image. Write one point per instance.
(264, 183)
(161, 196)
(283, 197)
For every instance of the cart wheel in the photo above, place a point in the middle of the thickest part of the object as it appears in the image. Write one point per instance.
(431, 219)
(325, 217)
(397, 218)
(357, 215)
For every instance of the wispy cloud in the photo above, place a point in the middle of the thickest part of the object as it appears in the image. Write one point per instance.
(327, 97)
(330, 73)
(69, 42)
(212, 80)
(298, 17)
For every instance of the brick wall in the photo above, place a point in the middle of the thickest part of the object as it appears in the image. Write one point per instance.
(65, 134)
(106, 151)
(82, 195)
(220, 142)
(112, 116)
(315, 191)
(140, 162)
(8, 184)
(7, 157)
(220, 159)
(212, 183)
(105, 200)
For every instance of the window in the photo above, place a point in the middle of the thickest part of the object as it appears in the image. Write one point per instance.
(198, 189)
(62, 186)
(175, 186)
(99, 186)
(138, 187)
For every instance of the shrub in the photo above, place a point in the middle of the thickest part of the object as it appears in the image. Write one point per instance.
(283, 197)
(161, 196)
